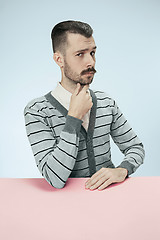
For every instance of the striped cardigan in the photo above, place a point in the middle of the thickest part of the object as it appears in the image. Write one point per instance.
(62, 148)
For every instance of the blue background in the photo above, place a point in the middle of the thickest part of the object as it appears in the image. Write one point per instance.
(127, 35)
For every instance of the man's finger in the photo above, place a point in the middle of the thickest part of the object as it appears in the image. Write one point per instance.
(94, 180)
(85, 88)
(78, 89)
(95, 175)
(101, 180)
(106, 184)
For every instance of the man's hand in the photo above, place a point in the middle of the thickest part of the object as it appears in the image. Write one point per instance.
(106, 176)
(81, 102)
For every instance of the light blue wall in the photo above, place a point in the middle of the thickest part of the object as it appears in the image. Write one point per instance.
(127, 34)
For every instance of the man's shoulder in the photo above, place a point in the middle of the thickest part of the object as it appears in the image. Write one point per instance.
(103, 96)
(100, 94)
(37, 103)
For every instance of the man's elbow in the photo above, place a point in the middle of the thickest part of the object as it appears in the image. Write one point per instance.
(56, 184)
(53, 180)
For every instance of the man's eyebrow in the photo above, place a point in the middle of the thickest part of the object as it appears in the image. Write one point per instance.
(86, 49)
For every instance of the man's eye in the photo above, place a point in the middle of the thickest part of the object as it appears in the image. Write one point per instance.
(92, 53)
(79, 54)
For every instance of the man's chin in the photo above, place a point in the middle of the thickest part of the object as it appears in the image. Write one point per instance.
(84, 84)
(87, 81)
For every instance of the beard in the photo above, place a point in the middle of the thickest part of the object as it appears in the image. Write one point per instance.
(81, 78)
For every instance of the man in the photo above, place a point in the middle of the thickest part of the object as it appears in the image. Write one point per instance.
(69, 128)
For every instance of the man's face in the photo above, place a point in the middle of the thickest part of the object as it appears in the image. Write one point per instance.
(79, 59)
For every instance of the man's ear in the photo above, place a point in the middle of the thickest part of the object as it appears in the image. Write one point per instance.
(58, 58)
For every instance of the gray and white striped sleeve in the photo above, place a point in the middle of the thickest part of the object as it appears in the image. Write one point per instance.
(126, 140)
(55, 158)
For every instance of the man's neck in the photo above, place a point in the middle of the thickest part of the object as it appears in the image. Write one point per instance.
(68, 85)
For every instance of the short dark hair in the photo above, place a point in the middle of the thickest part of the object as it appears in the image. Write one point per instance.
(59, 33)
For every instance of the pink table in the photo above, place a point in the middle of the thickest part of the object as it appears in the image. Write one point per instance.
(30, 209)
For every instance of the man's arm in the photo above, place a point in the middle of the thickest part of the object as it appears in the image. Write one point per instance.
(55, 158)
(128, 143)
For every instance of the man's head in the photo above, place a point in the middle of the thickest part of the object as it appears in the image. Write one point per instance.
(74, 51)
(60, 31)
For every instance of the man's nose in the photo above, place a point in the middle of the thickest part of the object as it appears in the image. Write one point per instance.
(90, 61)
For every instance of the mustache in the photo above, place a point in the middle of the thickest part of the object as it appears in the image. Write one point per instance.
(93, 70)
